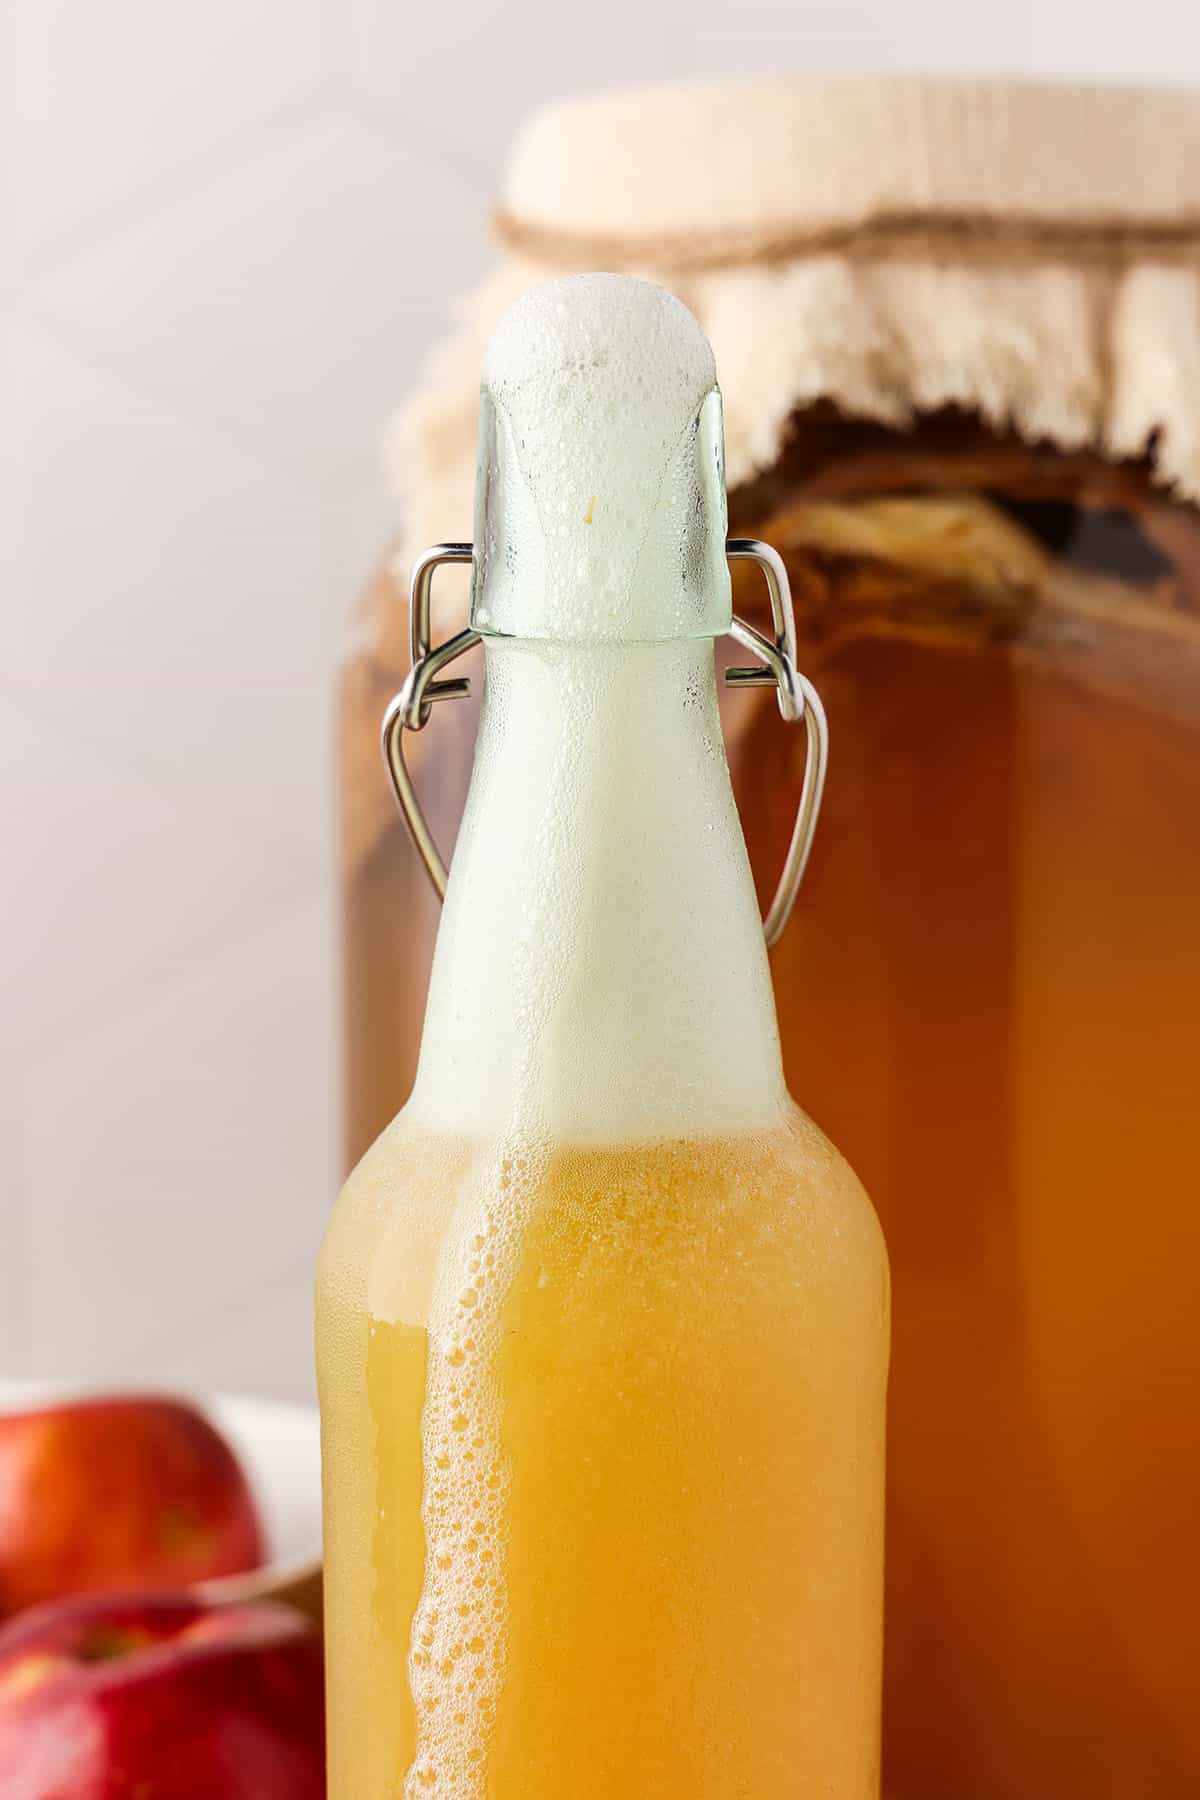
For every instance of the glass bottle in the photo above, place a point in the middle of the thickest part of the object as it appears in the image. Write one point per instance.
(602, 1316)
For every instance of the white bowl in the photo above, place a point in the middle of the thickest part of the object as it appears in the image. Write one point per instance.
(279, 1448)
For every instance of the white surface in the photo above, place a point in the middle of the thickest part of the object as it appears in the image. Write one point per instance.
(235, 229)
(278, 1446)
(280, 1450)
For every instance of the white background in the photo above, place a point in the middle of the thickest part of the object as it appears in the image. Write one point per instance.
(235, 226)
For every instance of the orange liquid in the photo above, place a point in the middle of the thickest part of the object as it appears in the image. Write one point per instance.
(634, 1468)
(998, 960)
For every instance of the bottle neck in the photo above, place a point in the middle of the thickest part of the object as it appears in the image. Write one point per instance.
(600, 974)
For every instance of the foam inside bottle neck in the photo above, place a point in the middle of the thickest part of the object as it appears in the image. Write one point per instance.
(600, 974)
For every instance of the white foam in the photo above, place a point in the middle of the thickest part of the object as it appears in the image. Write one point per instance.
(600, 972)
(458, 1651)
(600, 504)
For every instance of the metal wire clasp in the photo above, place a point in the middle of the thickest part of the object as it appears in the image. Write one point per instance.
(797, 698)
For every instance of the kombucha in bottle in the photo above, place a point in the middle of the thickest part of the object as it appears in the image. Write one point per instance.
(602, 1316)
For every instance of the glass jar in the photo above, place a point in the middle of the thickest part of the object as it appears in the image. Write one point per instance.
(990, 992)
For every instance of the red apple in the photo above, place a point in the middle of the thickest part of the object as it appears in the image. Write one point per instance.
(160, 1697)
(104, 1494)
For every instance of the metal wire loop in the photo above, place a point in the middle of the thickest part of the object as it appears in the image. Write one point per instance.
(776, 667)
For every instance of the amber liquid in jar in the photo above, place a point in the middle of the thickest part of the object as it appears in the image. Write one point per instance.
(989, 996)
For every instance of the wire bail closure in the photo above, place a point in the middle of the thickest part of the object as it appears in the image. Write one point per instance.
(798, 699)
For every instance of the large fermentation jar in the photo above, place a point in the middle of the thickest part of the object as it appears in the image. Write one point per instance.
(959, 334)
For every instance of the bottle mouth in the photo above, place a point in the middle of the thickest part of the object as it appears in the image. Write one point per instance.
(600, 511)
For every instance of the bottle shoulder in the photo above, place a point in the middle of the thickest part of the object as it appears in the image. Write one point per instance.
(390, 1217)
(408, 1162)
(780, 1192)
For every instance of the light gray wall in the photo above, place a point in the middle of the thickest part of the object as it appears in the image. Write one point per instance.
(235, 226)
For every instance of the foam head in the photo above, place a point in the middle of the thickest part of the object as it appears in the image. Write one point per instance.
(600, 498)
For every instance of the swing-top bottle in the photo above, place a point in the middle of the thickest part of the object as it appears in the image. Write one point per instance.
(602, 1316)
